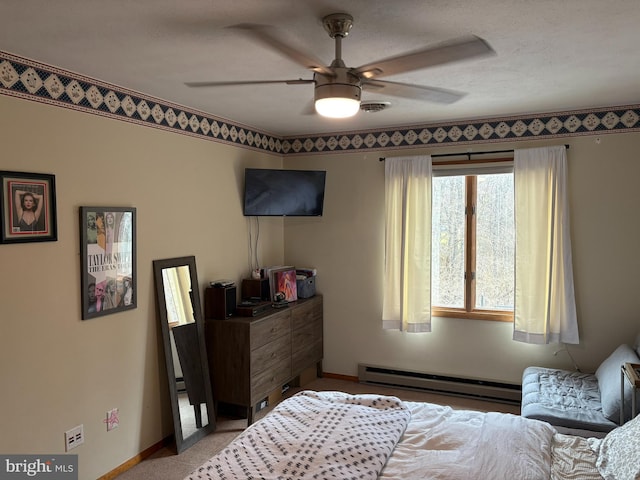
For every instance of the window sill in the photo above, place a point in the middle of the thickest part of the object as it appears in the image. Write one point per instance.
(489, 315)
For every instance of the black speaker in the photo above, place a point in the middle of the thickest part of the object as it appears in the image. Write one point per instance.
(256, 288)
(220, 302)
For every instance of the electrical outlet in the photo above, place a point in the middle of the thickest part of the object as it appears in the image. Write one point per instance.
(74, 437)
(113, 419)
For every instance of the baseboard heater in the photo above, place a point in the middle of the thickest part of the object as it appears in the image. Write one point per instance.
(464, 387)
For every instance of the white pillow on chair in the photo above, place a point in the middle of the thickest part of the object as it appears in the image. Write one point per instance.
(608, 374)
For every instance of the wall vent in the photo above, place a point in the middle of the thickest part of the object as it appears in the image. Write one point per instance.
(374, 107)
(464, 387)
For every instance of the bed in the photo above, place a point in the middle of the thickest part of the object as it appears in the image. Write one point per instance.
(334, 435)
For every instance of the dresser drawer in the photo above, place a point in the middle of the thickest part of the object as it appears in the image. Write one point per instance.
(265, 357)
(307, 313)
(269, 380)
(269, 329)
(303, 338)
(306, 346)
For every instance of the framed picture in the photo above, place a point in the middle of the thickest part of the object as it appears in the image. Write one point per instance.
(283, 281)
(108, 260)
(28, 208)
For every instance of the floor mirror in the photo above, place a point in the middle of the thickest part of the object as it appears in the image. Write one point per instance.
(182, 325)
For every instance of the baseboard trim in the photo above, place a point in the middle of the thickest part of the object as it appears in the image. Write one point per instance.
(132, 462)
(337, 376)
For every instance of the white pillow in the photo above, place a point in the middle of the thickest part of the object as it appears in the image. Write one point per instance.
(619, 455)
(608, 374)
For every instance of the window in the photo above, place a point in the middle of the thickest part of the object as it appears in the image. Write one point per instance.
(473, 246)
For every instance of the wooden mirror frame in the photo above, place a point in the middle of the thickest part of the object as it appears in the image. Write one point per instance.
(182, 442)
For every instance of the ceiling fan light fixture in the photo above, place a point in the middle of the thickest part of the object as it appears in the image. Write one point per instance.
(337, 107)
(337, 100)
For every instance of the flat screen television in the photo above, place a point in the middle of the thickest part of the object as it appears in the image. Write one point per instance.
(272, 192)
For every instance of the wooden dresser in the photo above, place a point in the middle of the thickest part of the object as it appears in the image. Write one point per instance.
(250, 357)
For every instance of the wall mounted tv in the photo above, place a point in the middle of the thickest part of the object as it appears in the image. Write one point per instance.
(271, 192)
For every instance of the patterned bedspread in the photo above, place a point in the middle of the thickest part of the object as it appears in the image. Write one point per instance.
(314, 435)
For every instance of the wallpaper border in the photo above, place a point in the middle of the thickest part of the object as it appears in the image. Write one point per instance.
(31, 80)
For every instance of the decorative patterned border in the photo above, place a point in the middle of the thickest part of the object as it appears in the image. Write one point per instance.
(554, 125)
(43, 83)
(31, 80)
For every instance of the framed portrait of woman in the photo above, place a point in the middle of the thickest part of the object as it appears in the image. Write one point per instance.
(27, 207)
(108, 260)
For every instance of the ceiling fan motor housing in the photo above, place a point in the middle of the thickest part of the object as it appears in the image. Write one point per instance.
(343, 85)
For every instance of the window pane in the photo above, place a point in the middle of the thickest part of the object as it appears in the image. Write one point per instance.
(495, 242)
(448, 224)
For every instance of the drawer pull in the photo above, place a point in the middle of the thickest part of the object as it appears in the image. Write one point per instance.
(274, 330)
(273, 354)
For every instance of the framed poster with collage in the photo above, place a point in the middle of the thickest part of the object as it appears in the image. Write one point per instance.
(108, 260)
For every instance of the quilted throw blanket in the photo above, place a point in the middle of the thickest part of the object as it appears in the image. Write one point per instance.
(314, 435)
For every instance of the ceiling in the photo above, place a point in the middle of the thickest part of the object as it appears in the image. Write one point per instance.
(552, 55)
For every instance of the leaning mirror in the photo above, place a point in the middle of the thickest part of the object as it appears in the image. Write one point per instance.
(184, 347)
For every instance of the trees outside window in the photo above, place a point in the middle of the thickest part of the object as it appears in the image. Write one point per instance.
(473, 246)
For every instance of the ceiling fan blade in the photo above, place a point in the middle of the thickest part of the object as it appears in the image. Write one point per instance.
(309, 108)
(269, 36)
(247, 82)
(417, 92)
(460, 49)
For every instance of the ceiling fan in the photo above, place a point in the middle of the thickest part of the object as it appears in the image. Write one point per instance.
(338, 88)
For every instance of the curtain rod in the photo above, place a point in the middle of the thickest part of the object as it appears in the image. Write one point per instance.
(468, 154)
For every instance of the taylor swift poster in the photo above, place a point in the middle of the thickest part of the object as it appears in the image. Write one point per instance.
(108, 242)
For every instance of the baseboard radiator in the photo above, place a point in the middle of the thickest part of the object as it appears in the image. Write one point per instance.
(464, 387)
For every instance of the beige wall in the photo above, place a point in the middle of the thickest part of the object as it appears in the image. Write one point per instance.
(346, 245)
(59, 371)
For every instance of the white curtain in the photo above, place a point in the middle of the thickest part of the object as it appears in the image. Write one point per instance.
(177, 288)
(545, 308)
(407, 276)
